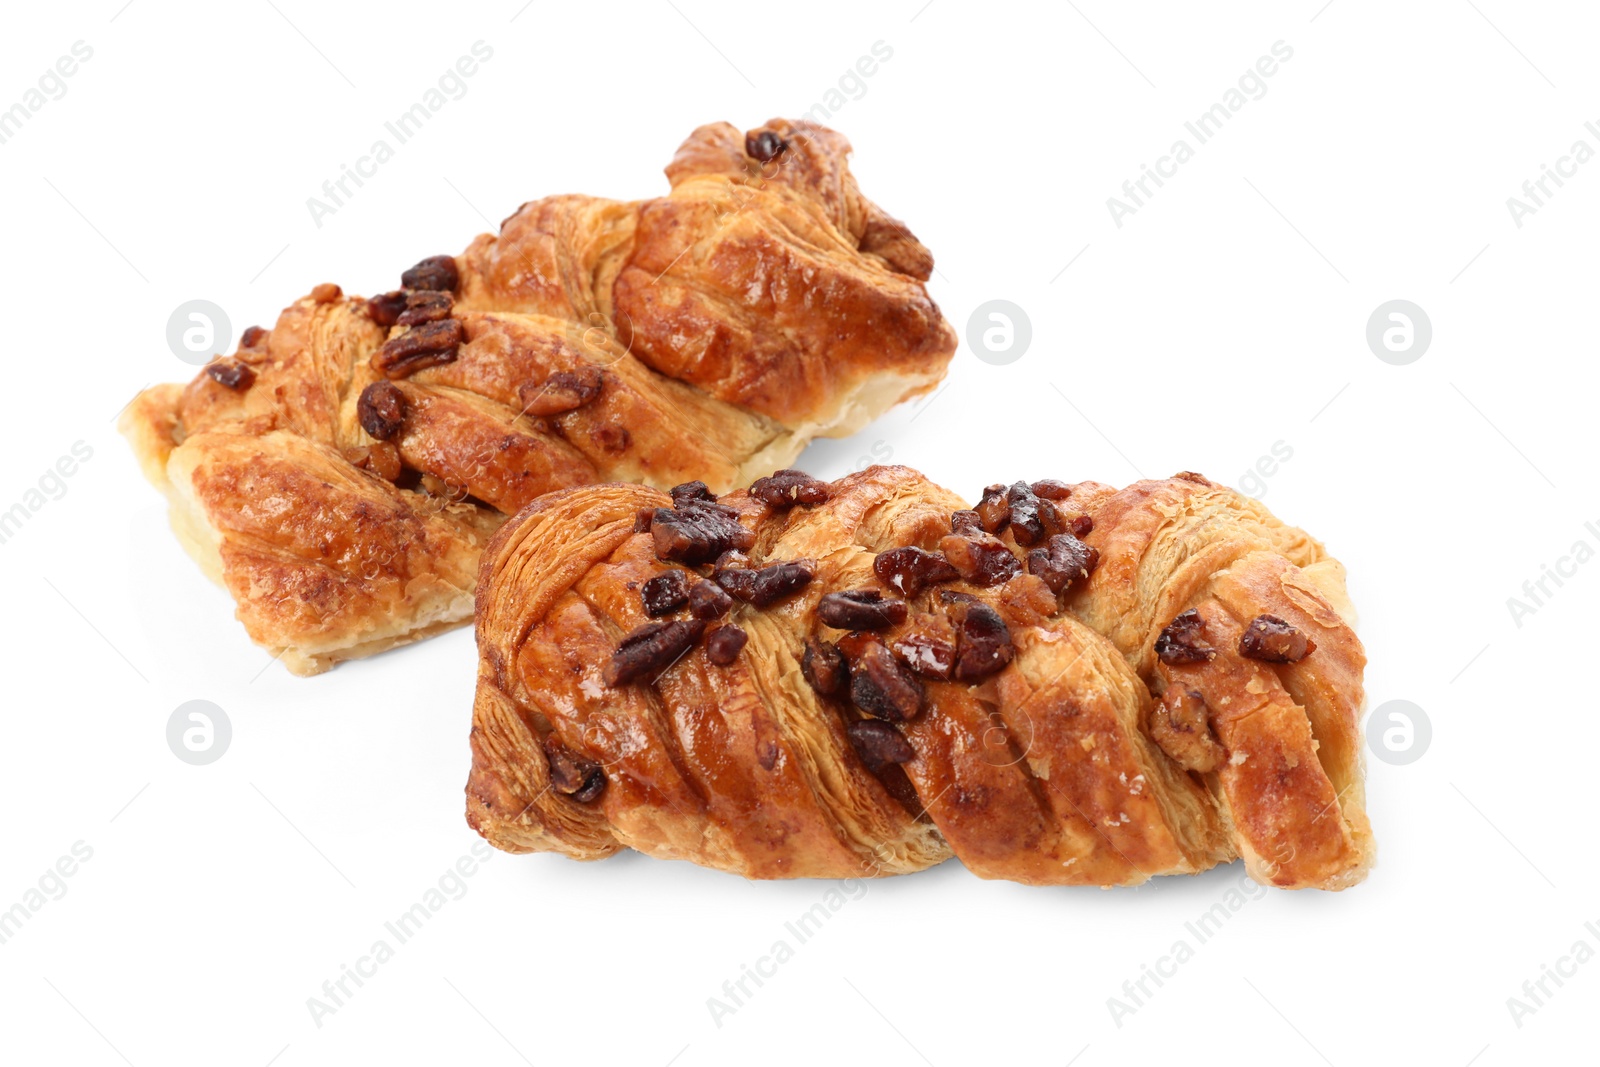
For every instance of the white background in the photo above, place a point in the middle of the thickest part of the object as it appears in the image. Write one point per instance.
(1225, 316)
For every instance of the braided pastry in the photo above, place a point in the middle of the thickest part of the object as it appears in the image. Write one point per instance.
(340, 473)
(1062, 685)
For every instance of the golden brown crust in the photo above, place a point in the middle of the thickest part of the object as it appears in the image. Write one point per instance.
(1046, 771)
(708, 334)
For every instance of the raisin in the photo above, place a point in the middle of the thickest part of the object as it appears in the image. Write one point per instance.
(697, 531)
(380, 457)
(786, 488)
(881, 687)
(642, 520)
(984, 645)
(697, 490)
(561, 392)
(435, 272)
(879, 744)
(769, 584)
(252, 337)
(708, 600)
(572, 775)
(911, 569)
(1064, 563)
(928, 646)
(425, 305)
(231, 374)
(982, 559)
(651, 649)
(385, 309)
(1051, 489)
(326, 293)
(861, 609)
(1272, 640)
(423, 346)
(724, 645)
(994, 510)
(764, 146)
(967, 523)
(665, 593)
(381, 409)
(824, 667)
(1183, 641)
(1080, 526)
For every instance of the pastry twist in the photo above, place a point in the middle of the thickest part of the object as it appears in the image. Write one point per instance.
(1063, 685)
(340, 473)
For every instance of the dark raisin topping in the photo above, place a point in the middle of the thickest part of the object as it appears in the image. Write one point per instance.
(967, 523)
(708, 600)
(764, 146)
(252, 336)
(1064, 563)
(1080, 526)
(572, 775)
(651, 649)
(1051, 489)
(231, 374)
(769, 584)
(1032, 517)
(879, 744)
(981, 559)
(642, 520)
(682, 494)
(786, 488)
(381, 458)
(697, 531)
(928, 646)
(724, 644)
(1183, 640)
(911, 569)
(425, 305)
(423, 346)
(879, 685)
(385, 309)
(381, 409)
(665, 593)
(994, 510)
(824, 667)
(435, 272)
(985, 643)
(1272, 640)
(561, 392)
(861, 609)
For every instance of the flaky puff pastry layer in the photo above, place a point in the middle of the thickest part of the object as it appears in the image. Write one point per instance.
(1044, 773)
(717, 330)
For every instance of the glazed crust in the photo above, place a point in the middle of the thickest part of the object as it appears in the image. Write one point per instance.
(1043, 772)
(708, 334)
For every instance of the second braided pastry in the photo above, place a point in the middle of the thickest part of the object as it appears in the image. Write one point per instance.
(1066, 684)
